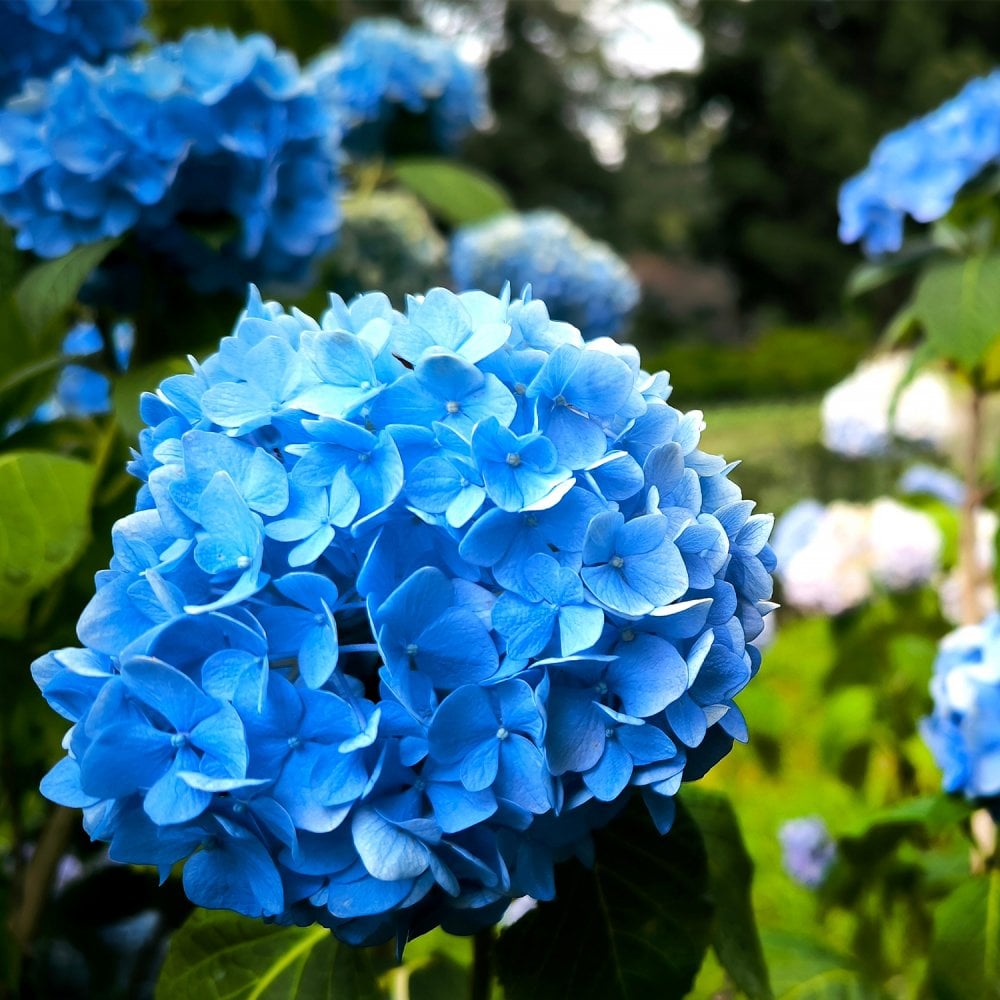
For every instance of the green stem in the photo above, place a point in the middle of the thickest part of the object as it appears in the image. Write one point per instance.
(968, 568)
(29, 372)
(40, 872)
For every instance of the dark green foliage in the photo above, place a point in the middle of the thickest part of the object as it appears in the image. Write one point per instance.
(806, 90)
(635, 925)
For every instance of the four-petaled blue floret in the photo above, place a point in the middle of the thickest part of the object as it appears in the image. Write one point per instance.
(963, 731)
(581, 281)
(39, 36)
(382, 68)
(409, 606)
(919, 170)
(208, 131)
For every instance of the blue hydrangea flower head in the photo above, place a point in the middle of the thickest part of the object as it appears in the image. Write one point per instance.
(963, 731)
(807, 850)
(582, 281)
(211, 127)
(919, 170)
(382, 68)
(39, 36)
(410, 604)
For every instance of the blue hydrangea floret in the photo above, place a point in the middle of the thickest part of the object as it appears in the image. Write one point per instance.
(39, 36)
(581, 280)
(918, 170)
(206, 132)
(963, 731)
(409, 605)
(382, 68)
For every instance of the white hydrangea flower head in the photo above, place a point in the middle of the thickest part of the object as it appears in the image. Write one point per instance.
(832, 558)
(830, 573)
(856, 411)
(905, 545)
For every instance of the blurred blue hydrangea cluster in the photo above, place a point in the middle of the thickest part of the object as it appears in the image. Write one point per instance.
(918, 170)
(582, 281)
(382, 67)
(211, 131)
(410, 604)
(39, 36)
(807, 850)
(82, 391)
(963, 731)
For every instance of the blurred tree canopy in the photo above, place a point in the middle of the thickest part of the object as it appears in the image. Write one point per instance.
(725, 200)
(805, 90)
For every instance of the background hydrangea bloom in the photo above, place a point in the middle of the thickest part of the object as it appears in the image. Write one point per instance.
(807, 850)
(382, 67)
(408, 606)
(831, 557)
(963, 732)
(39, 36)
(949, 589)
(929, 480)
(855, 412)
(918, 170)
(582, 281)
(210, 130)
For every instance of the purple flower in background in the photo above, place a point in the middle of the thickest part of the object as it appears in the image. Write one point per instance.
(807, 850)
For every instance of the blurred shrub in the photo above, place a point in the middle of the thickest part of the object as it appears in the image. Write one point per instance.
(784, 362)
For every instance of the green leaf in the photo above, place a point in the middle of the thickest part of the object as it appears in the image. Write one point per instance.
(439, 978)
(218, 955)
(730, 873)
(848, 719)
(870, 275)
(805, 969)
(454, 193)
(44, 524)
(932, 812)
(958, 305)
(635, 926)
(834, 984)
(899, 327)
(49, 289)
(965, 948)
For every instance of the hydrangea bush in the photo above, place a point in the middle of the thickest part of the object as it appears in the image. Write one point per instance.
(920, 169)
(582, 281)
(39, 36)
(963, 732)
(409, 605)
(382, 68)
(193, 134)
